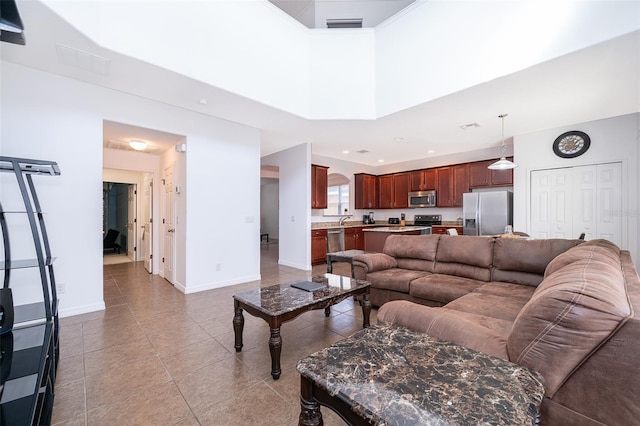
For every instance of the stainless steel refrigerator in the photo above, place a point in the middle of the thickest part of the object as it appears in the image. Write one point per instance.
(487, 213)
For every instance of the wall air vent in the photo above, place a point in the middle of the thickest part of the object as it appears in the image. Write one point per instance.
(344, 23)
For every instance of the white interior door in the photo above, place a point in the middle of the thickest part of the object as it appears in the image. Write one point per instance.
(598, 201)
(131, 222)
(551, 203)
(169, 226)
(147, 227)
(570, 201)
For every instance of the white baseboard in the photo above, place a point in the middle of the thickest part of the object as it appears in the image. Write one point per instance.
(79, 310)
(294, 265)
(219, 284)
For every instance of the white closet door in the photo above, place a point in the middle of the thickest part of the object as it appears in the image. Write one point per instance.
(551, 203)
(609, 203)
(585, 194)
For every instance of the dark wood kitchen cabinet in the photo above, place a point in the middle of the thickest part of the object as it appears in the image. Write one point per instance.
(444, 192)
(353, 238)
(319, 186)
(482, 177)
(452, 183)
(366, 191)
(393, 191)
(460, 183)
(318, 246)
(423, 180)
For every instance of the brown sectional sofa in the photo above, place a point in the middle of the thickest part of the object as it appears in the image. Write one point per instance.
(561, 307)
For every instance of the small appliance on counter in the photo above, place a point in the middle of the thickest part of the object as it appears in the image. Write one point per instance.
(394, 221)
(371, 218)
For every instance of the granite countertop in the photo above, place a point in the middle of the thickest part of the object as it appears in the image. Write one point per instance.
(397, 229)
(354, 224)
(391, 375)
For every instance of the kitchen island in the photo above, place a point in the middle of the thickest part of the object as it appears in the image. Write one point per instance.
(374, 238)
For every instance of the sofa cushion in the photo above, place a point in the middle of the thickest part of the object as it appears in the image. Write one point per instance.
(374, 261)
(461, 256)
(416, 264)
(596, 249)
(394, 279)
(445, 325)
(510, 290)
(510, 265)
(442, 288)
(412, 246)
(572, 312)
(489, 305)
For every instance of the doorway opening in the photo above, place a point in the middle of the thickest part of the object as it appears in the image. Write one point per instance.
(118, 222)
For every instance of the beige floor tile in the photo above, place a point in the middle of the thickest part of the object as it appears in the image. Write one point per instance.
(69, 402)
(256, 405)
(195, 356)
(127, 380)
(70, 369)
(215, 383)
(160, 405)
(107, 360)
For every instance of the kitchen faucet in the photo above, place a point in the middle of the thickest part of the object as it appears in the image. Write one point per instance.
(342, 219)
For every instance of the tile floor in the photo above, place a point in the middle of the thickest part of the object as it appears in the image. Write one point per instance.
(158, 357)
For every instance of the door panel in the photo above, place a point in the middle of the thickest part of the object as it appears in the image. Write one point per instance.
(131, 222)
(147, 228)
(168, 226)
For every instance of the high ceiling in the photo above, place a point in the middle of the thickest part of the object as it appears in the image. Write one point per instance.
(596, 82)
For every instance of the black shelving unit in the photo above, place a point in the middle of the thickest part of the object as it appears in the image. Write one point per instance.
(31, 350)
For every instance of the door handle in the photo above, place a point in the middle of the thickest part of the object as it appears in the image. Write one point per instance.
(171, 230)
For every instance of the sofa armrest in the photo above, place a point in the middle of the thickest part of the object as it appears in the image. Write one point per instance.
(445, 325)
(372, 262)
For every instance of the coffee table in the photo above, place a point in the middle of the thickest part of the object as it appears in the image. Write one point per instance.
(280, 303)
(390, 375)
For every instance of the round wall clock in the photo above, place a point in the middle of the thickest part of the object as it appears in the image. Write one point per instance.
(571, 144)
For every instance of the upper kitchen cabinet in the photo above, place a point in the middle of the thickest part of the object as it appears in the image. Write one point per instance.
(318, 187)
(453, 181)
(444, 192)
(423, 180)
(366, 188)
(393, 191)
(460, 183)
(481, 177)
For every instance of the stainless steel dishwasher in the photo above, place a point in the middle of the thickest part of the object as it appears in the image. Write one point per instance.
(335, 240)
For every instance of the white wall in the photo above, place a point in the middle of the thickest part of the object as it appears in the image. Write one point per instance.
(278, 62)
(613, 139)
(50, 117)
(295, 205)
(269, 208)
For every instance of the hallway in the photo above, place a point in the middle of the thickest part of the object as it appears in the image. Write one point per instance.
(156, 356)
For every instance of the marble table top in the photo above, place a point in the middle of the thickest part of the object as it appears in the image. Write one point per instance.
(282, 298)
(391, 375)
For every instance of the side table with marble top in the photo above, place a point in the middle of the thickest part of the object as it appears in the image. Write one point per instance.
(390, 375)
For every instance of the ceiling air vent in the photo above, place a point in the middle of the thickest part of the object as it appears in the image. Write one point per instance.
(362, 151)
(344, 23)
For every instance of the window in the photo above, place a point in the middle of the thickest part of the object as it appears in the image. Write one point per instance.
(337, 195)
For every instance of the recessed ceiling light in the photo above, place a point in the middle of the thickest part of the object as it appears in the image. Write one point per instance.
(430, 151)
(398, 139)
(380, 161)
(203, 101)
(345, 152)
(138, 145)
(469, 126)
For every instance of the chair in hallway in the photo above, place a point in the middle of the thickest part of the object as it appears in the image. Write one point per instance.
(109, 241)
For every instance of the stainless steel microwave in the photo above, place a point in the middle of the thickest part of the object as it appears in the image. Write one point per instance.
(422, 199)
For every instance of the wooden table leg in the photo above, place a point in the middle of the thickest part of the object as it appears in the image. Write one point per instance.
(275, 347)
(366, 309)
(238, 325)
(310, 414)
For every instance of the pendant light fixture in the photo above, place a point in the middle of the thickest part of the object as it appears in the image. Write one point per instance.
(503, 163)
